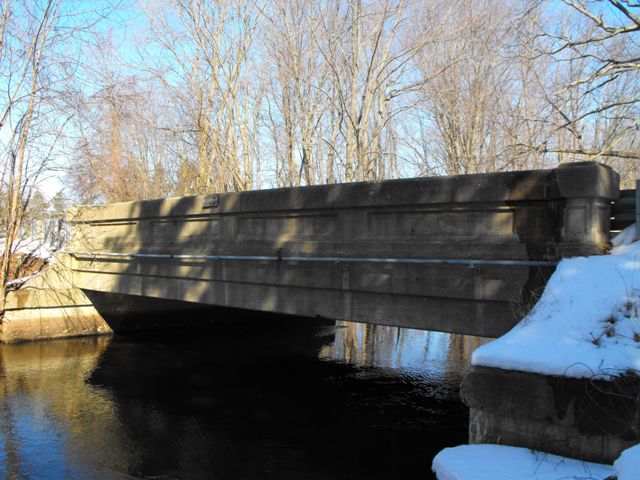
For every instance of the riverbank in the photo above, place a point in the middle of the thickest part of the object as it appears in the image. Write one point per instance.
(585, 325)
(565, 380)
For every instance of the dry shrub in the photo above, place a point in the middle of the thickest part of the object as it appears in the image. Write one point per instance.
(23, 265)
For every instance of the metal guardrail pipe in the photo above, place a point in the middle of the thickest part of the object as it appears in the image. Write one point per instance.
(337, 260)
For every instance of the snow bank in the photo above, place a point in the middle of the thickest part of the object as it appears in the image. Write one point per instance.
(625, 237)
(627, 466)
(498, 462)
(35, 248)
(586, 324)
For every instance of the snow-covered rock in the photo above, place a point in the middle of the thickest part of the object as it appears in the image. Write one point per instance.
(499, 462)
(586, 323)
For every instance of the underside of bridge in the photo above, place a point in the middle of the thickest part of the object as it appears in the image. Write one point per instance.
(464, 254)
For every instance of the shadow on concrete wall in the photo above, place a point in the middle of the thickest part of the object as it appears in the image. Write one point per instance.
(509, 216)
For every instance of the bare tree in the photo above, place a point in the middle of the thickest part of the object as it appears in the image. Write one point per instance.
(484, 99)
(366, 62)
(122, 151)
(598, 105)
(205, 66)
(297, 101)
(40, 41)
(232, 95)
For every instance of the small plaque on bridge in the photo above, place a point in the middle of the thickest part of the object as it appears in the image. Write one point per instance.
(211, 201)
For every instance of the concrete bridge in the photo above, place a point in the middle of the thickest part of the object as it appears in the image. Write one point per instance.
(463, 254)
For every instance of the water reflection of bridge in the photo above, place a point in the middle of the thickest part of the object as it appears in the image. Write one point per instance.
(379, 346)
(217, 402)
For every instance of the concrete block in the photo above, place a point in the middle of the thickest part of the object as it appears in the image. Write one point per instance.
(587, 419)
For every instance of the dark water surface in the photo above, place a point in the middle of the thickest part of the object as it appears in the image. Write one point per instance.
(256, 399)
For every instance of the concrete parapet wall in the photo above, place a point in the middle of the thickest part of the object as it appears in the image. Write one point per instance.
(578, 418)
(517, 216)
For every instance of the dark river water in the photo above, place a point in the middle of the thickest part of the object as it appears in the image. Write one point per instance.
(261, 398)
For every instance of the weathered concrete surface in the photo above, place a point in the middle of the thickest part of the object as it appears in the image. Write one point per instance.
(578, 418)
(49, 306)
(535, 215)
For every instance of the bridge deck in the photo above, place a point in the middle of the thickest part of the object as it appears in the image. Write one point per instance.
(460, 254)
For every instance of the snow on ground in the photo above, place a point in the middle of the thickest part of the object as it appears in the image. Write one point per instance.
(627, 466)
(499, 462)
(31, 247)
(35, 249)
(625, 237)
(586, 324)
